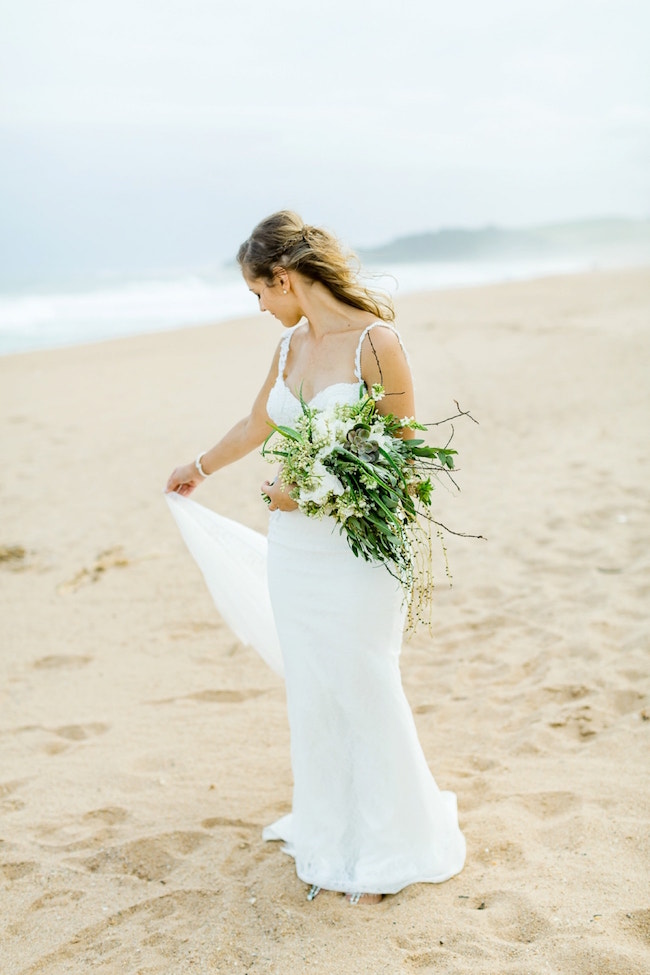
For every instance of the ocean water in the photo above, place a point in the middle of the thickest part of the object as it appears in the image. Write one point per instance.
(33, 319)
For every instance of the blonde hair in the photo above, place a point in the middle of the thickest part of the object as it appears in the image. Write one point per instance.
(284, 240)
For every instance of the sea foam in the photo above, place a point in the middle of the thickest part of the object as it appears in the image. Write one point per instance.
(38, 320)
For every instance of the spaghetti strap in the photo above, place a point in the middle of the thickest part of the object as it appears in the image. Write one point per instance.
(357, 358)
(285, 342)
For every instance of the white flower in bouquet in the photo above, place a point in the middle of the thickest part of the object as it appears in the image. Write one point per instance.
(325, 483)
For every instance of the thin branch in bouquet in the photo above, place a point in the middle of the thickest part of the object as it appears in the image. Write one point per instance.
(451, 531)
(445, 470)
(438, 423)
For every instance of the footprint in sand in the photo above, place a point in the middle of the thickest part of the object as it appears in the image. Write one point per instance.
(150, 858)
(57, 898)
(14, 871)
(9, 802)
(109, 942)
(638, 922)
(71, 733)
(64, 661)
(545, 804)
(189, 628)
(68, 732)
(79, 732)
(224, 697)
(582, 722)
(567, 692)
(511, 916)
(111, 558)
(89, 832)
(111, 816)
(215, 821)
(421, 955)
(215, 696)
(627, 700)
(12, 556)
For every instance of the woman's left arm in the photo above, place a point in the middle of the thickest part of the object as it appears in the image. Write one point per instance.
(383, 361)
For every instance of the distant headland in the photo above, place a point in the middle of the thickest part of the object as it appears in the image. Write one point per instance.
(607, 238)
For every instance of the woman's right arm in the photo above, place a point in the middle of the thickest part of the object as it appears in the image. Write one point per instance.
(245, 436)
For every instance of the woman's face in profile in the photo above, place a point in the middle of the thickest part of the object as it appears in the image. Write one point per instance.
(272, 299)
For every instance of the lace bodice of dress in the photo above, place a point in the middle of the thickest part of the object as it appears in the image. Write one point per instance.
(283, 406)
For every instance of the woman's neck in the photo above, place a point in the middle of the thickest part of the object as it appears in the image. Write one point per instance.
(325, 314)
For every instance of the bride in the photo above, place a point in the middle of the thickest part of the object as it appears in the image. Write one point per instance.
(367, 817)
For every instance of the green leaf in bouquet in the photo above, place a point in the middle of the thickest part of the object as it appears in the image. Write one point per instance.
(276, 452)
(290, 433)
(306, 408)
(380, 525)
(287, 432)
(446, 457)
(389, 514)
(431, 452)
(418, 451)
(352, 486)
(423, 491)
(393, 464)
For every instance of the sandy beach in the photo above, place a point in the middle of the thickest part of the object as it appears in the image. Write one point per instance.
(143, 748)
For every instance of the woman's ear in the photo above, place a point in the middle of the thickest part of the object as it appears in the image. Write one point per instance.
(282, 278)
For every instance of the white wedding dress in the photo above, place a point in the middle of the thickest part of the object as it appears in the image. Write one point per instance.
(367, 814)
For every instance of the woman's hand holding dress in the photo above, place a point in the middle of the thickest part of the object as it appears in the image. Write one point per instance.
(184, 479)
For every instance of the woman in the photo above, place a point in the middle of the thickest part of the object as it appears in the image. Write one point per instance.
(367, 817)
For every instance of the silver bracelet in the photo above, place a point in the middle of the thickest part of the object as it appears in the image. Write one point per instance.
(197, 464)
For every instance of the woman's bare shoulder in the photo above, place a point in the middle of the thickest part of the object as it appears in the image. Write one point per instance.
(384, 338)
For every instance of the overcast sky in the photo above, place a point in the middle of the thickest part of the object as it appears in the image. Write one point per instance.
(143, 134)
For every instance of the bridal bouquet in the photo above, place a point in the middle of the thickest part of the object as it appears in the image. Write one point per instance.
(350, 463)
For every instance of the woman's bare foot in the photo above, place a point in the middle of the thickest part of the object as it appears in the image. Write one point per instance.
(364, 898)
